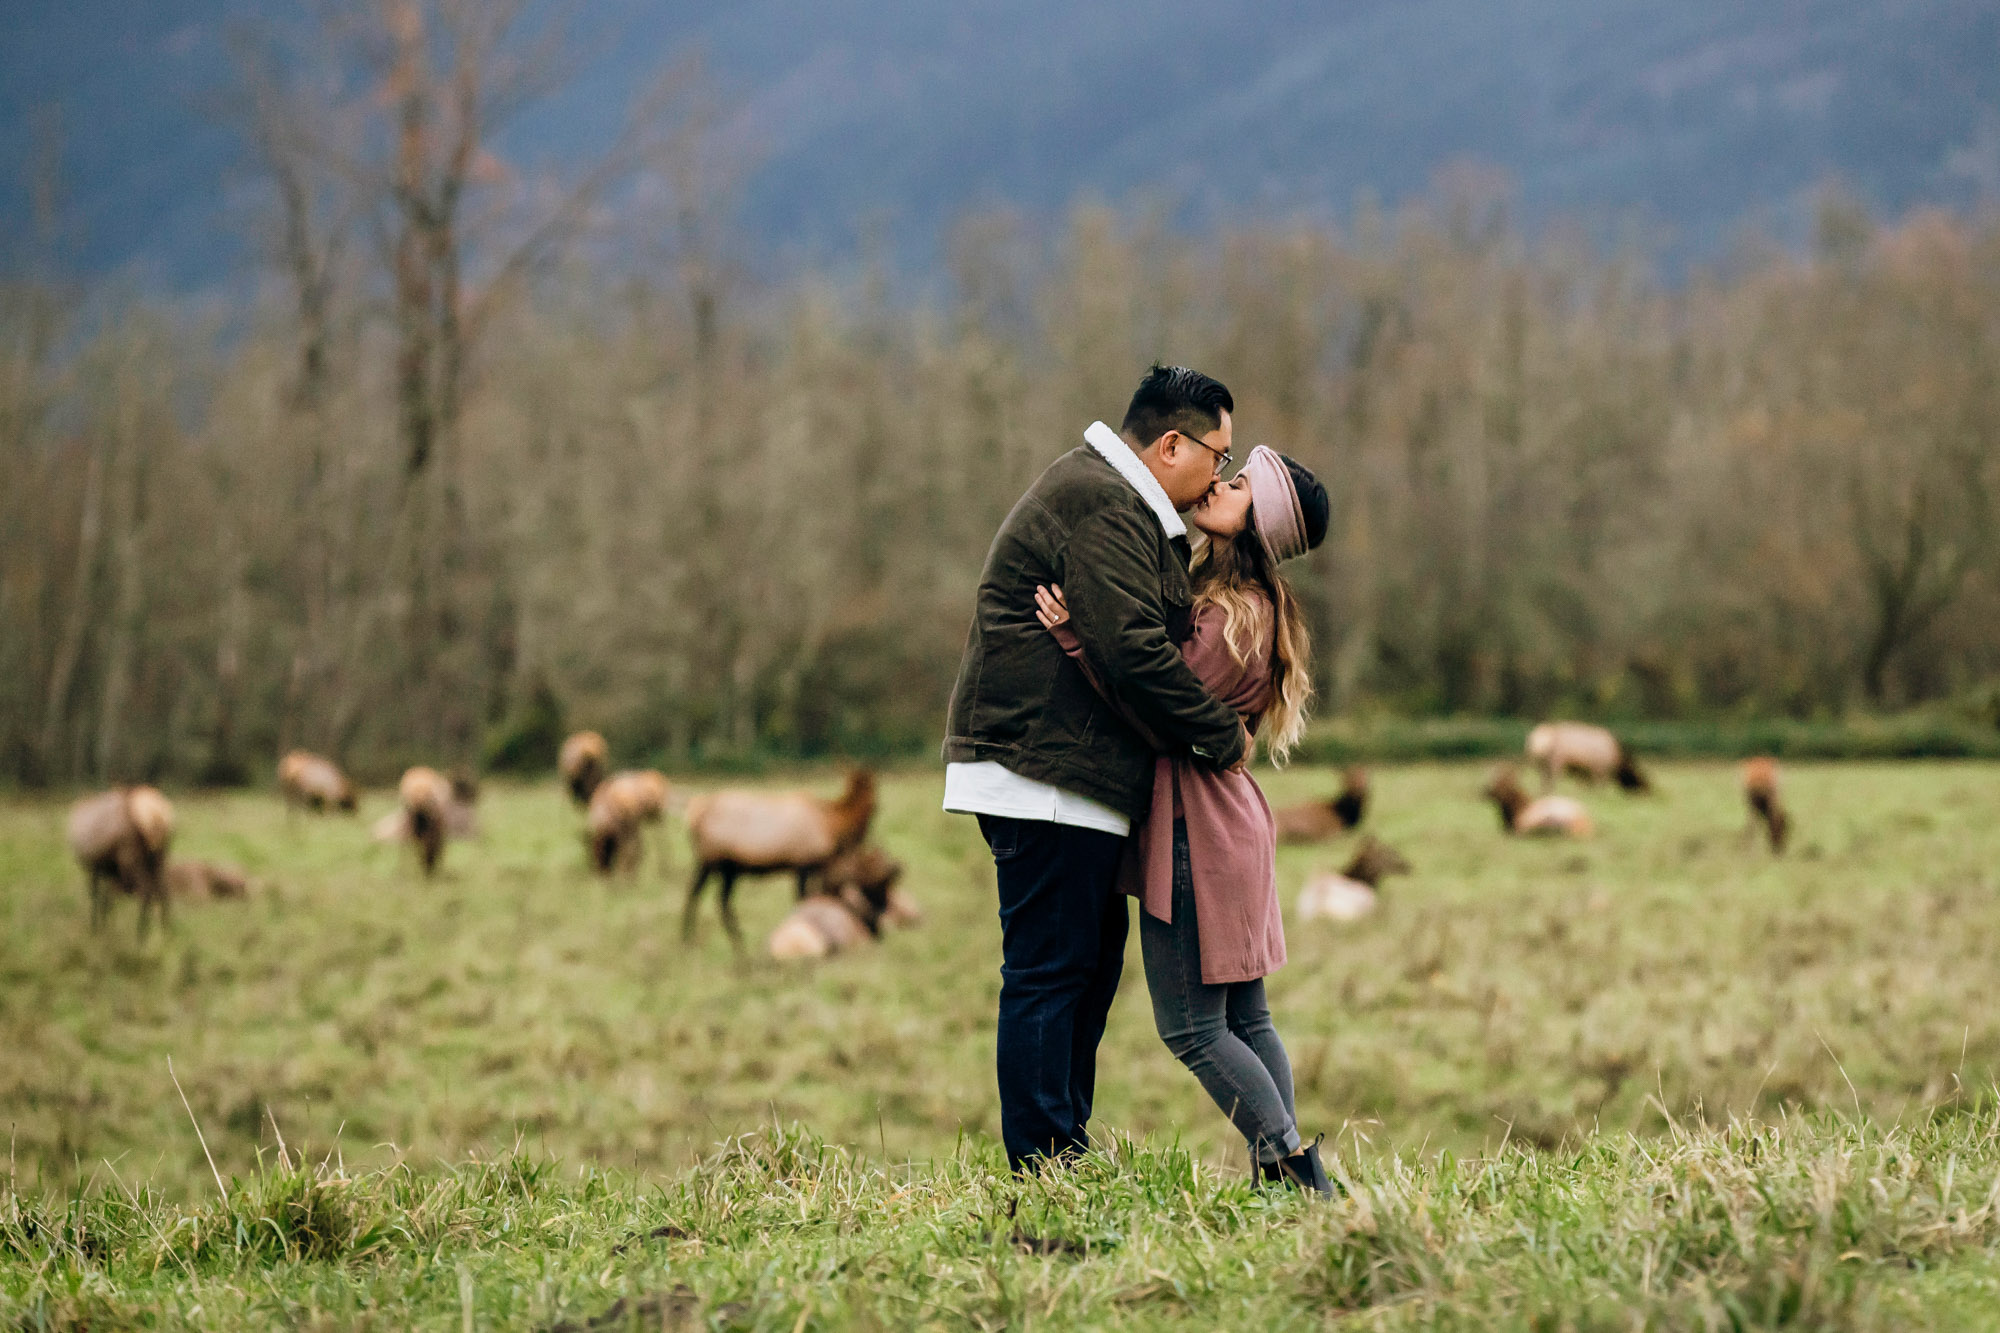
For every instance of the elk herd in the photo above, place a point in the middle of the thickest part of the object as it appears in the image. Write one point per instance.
(846, 888)
(1554, 750)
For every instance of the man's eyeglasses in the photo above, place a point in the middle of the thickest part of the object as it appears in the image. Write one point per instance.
(1223, 457)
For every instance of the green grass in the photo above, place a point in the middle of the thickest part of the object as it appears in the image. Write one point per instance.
(1964, 731)
(1657, 1077)
(1802, 1223)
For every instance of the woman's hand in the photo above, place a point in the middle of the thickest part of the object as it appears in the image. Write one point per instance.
(1050, 608)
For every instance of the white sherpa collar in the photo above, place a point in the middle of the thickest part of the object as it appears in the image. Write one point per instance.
(1119, 454)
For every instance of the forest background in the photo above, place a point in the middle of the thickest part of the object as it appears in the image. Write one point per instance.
(497, 452)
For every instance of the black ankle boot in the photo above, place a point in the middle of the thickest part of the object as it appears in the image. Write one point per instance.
(1300, 1171)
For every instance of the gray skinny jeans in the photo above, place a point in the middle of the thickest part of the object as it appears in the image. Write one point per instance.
(1223, 1034)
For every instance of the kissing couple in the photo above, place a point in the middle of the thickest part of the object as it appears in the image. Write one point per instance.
(1113, 686)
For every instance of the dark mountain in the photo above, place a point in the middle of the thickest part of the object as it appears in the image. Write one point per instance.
(896, 116)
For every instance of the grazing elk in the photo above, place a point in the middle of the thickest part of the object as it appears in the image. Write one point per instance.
(619, 806)
(426, 799)
(584, 761)
(859, 896)
(742, 832)
(120, 838)
(1760, 791)
(1545, 816)
(456, 800)
(1589, 752)
(1316, 821)
(1351, 894)
(864, 867)
(314, 782)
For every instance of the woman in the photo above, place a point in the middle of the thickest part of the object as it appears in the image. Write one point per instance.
(1203, 864)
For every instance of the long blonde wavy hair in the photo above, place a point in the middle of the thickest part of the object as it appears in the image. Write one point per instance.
(1229, 575)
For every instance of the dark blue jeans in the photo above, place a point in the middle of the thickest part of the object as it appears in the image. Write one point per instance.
(1062, 944)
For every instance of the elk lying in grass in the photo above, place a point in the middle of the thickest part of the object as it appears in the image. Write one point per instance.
(621, 804)
(1545, 816)
(1316, 821)
(1760, 791)
(120, 838)
(1589, 752)
(859, 896)
(584, 761)
(1350, 895)
(742, 832)
(314, 782)
(205, 881)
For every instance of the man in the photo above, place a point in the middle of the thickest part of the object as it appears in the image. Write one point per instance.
(1055, 775)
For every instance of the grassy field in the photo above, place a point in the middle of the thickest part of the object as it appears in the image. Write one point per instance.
(1658, 1077)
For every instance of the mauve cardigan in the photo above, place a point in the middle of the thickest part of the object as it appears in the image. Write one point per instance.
(1232, 839)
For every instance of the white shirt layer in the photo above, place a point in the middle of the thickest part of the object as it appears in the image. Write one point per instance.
(989, 787)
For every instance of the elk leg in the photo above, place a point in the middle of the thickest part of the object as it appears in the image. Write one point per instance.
(150, 889)
(729, 908)
(701, 873)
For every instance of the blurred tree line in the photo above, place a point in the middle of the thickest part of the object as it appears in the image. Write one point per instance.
(466, 475)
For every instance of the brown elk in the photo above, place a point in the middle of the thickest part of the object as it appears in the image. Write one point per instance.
(1546, 816)
(860, 895)
(743, 832)
(1760, 791)
(1351, 894)
(1586, 751)
(583, 762)
(120, 838)
(618, 807)
(1316, 821)
(206, 881)
(457, 800)
(865, 868)
(426, 799)
(314, 782)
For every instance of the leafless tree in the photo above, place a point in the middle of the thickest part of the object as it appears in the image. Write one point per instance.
(708, 515)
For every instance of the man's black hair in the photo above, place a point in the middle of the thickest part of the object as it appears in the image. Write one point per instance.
(1312, 501)
(1175, 398)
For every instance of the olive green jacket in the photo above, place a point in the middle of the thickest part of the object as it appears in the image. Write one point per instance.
(1020, 700)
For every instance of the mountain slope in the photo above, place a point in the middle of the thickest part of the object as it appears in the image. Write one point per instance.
(898, 114)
